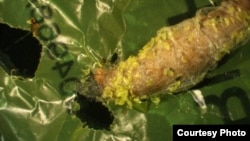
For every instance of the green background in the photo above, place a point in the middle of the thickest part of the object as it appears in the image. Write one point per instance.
(92, 31)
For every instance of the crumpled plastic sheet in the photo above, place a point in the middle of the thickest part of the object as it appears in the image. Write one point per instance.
(76, 36)
(33, 107)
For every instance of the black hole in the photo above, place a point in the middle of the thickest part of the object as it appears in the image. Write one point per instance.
(19, 51)
(94, 114)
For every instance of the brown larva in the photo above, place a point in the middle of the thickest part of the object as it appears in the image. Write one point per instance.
(179, 56)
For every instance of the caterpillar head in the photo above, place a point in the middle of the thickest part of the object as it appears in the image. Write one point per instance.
(89, 88)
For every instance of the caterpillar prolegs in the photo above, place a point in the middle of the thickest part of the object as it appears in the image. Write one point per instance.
(179, 56)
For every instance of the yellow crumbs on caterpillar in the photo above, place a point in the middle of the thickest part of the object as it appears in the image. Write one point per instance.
(179, 56)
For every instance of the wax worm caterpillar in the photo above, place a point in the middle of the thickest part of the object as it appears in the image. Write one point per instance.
(179, 56)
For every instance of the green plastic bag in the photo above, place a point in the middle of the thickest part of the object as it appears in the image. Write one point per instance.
(77, 35)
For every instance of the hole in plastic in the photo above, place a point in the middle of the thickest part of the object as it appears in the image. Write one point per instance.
(94, 114)
(19, 51)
